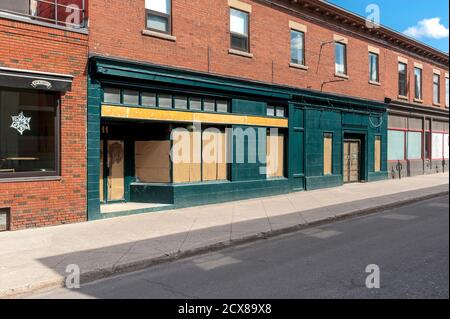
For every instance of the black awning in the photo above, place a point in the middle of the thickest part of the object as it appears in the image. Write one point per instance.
(23, 79)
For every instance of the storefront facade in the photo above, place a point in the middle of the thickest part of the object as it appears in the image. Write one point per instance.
(42, 119)
(265, 139)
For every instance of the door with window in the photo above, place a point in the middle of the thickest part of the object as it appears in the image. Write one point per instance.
(352, 157)
(112, 171)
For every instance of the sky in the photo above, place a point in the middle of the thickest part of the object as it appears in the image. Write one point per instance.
(424, 20)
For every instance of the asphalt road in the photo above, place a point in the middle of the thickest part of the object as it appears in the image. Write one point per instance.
(410, 245)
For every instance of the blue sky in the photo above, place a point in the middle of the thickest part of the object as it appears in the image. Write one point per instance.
(416, 16)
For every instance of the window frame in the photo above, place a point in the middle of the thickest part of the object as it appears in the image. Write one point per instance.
(238, 35)
(57, 157)
(377, 80)
(400, 87)
(162, 15)
(420, 86)
(343, 45)
(436, 98)
(303, 62)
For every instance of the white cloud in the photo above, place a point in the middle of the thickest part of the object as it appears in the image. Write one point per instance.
(428, 28)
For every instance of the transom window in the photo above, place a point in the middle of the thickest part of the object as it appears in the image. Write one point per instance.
(341, 58)
(239, 30)
(374, 73)
(158, 15)
(297, 47)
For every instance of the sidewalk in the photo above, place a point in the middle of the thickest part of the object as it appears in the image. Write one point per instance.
(37, 258)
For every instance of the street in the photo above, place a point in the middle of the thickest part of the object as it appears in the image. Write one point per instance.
(410, 245)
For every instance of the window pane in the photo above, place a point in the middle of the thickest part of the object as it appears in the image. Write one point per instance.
(279, 111)
(148, 99)
(131, 97)
(238, 22)
(396, 145)
(340, 58)
(208, 105)
(402, 79)
(414, 145)
(418, 83)
(195, 103)
(158, 23)
(437, 145)
(180, 102)
(327, 154)
(27, 132)
(111, 95)
(270, 110)
(162, 6)
(436, 89)
(239, 43)
(165, 101)
(373, 65)
(297, 49)
(222, 106)
(446, 146)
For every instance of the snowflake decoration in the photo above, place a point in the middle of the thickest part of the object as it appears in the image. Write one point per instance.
(21, 123)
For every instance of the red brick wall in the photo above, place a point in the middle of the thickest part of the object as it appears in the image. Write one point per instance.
(202, 25)
(44, 203)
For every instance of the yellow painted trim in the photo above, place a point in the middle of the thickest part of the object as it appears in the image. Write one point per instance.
(137, 113)
(240, 5)
(298, 26)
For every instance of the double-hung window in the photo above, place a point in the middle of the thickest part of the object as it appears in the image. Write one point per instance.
(436, 89)
(418, 83)
(374, 67)
(402, 79)
(239, 30)
(341, 58)
(158, 15)
(297, 47)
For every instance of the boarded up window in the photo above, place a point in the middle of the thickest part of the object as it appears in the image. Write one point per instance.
(187, 157)
(152, 159)
(328, 154)
(102, 185)
(214, 164)
(275, 155)
(415, 124)
(377, 163)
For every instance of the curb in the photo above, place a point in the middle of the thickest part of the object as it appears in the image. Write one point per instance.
(95, 275)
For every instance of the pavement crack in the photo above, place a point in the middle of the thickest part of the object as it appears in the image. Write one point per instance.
(267, 215)
(187, 235)
(171, 289)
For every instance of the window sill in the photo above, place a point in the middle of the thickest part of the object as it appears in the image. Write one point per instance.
(240, 53)
(30, 179)
(342, 76)
(159, 35)
(402, 97)
(375, 83)
(298, 66)
(418, 101)
(437, 104)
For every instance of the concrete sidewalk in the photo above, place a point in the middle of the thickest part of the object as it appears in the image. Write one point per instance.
(37, 259)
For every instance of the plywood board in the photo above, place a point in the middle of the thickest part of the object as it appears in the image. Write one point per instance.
(152, 160)
(116, 186)
(275, 156)
(377, 159)
(102, 184)
(327, 155)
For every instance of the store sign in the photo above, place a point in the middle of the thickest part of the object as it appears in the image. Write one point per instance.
(41, 83)
(21, 123)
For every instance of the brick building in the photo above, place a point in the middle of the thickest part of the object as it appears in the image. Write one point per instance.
(285, 95)
(313, 71)
(43, 61)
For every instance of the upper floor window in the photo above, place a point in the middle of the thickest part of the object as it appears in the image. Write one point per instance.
(239, 30)
(159, 15)
(418, 83)
(57, 12)
(297, 47)
(341, 58)
(402, 75)
(374, 67)
(446, 92)
(436, 89)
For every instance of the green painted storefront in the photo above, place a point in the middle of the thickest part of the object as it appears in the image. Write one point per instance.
(310, 115)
